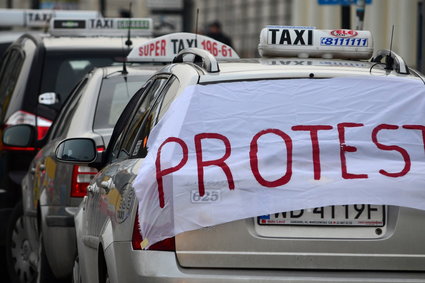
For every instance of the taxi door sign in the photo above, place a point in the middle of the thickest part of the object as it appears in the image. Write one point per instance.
(101, 26)
(165, 48)
(304, 42)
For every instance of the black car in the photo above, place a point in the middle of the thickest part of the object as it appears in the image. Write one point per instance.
(36, 75)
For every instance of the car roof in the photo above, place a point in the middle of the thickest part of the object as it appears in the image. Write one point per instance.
(263, 68)
(57, 43)
(115, 70)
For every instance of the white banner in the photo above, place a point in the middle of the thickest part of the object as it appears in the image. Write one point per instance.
(235, 150)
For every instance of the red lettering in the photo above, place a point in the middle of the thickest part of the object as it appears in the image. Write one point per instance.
(146, 50)
(217, 162)
(157, 48)
(151, 48)
(253, 158)
(401, 150)
(346, 148)
(314, 144)
(160, 173)
(140, 51)
(417, 127)
(163, 44)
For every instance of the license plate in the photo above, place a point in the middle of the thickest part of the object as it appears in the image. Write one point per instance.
(335, 215)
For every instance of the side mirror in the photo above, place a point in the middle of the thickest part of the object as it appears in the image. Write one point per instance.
(48, 98)
(77, 150)
(21, 135)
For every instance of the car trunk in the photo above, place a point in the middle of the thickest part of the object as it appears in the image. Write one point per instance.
(245, 244)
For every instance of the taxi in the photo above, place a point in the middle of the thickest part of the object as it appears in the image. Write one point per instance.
(37, 73)
(302, 165)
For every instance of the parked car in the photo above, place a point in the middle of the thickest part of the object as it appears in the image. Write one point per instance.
(37, 74)
(124, 238)
(50, 190)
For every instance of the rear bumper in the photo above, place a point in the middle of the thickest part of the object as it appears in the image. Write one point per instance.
(127, 265)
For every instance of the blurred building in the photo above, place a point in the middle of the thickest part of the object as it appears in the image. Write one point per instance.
(242, 20)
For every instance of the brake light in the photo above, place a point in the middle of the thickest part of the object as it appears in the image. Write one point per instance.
(168, 244)
(23, 117)
(81, 177)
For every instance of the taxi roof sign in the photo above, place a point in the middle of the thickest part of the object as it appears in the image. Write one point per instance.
(305, 42)
(166, 47)
(101, 27)
(40, 18)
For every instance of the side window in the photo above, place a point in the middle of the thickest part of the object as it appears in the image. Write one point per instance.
(159, 109)
(9, 76)
(149, 99)
(62, 122)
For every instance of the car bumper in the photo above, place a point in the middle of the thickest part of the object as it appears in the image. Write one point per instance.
(127, 265)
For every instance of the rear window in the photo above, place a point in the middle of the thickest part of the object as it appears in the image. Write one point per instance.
(114, 96)
(63, 70)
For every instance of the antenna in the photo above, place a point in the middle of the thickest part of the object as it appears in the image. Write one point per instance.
(128, 42)
(196, 27)
(389, 61)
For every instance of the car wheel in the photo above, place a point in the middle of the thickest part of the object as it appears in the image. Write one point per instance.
(19, 254)
(44, 273)
(76, 274)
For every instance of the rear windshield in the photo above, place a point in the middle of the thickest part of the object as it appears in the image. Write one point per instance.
(114, 96)
(62, 70)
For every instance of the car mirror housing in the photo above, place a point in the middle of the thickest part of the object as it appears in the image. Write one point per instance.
(48, 98)
(22, 135)
(76, 150)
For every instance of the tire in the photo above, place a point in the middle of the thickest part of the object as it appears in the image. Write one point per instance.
(19, 254)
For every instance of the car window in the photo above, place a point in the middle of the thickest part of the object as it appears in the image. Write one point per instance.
(122, 123)
(62, 70)
(9, 77)
(138, 117)
(114, 95)
(160, 107)
(61, 124)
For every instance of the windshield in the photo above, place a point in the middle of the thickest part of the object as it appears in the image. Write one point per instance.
(114, 96)
(63, 70)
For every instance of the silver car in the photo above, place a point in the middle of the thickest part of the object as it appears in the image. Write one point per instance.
(111, 247)
(51, 190)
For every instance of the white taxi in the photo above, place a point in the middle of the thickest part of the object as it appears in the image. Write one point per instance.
(303, 165)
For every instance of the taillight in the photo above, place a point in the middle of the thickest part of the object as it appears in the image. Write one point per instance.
(22, 117)
(81, 177)
(168, 244)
